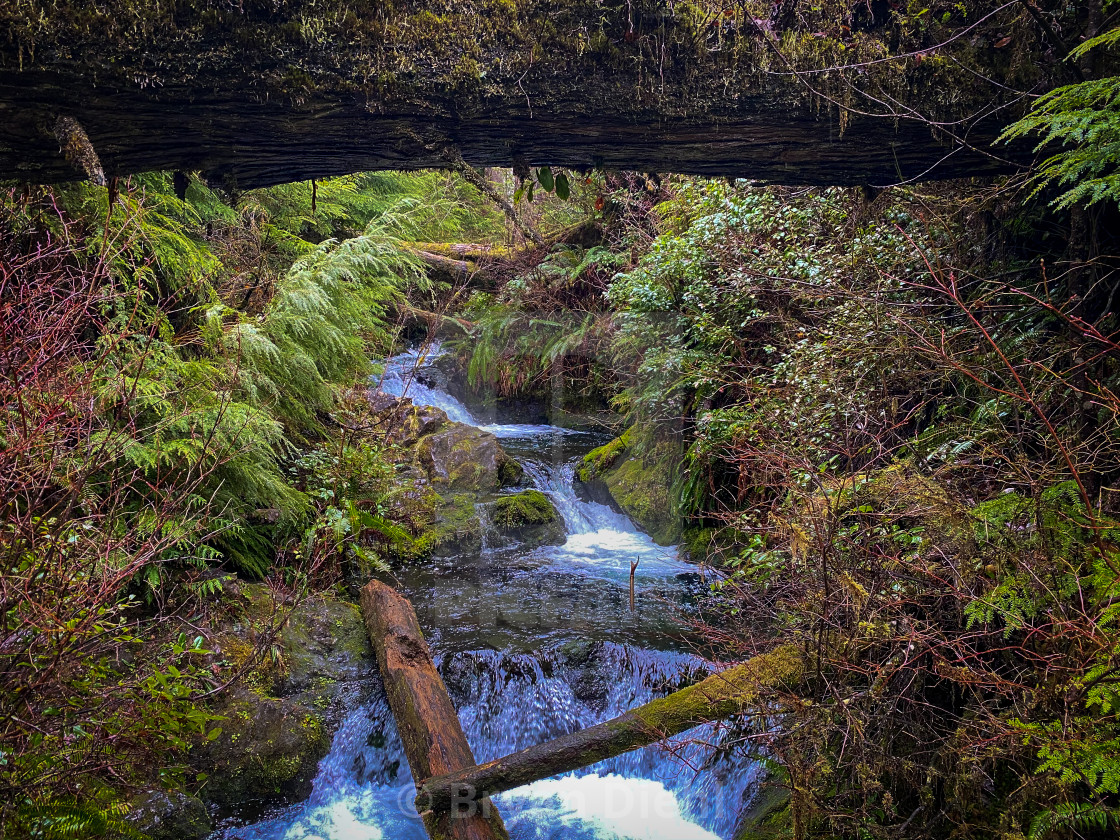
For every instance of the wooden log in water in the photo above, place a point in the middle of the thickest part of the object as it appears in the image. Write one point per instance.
(720, 696)
(429, 726)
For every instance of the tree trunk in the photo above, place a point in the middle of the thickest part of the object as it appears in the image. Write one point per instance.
(428, 723)
(720, 696)
(256, 93)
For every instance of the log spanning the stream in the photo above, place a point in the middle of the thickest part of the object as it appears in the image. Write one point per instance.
(429, 726)
(718, 697)
(258, 92)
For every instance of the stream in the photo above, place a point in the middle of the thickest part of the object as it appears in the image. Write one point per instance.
(533, 644)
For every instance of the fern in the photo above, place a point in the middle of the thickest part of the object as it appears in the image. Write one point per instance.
(70, 819)
(1073, 816)
(1083, 116)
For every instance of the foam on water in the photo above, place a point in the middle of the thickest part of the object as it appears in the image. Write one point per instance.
(600, 539)
(604, 807)
(399, 380)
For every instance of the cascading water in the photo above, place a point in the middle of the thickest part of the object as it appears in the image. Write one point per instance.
(527, 643)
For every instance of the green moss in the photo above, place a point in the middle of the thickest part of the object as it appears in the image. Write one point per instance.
(529, 507)
(698, 543)
(726, 693)
(602, 458)
(768, 816)
(268, 749)
(456, 522)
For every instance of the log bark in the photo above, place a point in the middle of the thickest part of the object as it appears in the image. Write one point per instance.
(456, 269)
(429, 726)
(723, 695)
(257, 93)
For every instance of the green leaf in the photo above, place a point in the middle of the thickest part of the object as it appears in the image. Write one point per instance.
(544, 176)
(562, 189)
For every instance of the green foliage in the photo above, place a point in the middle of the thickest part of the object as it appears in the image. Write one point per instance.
(1076, 816)
(174, 418)
(328, 307)
(1086, 117)
(64, 819)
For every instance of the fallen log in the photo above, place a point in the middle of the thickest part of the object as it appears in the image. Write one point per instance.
(718, 697)
(463, 250)
(433, 738)
(458, 269)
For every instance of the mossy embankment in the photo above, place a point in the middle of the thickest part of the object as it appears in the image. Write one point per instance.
(638, 472)
(300, 667)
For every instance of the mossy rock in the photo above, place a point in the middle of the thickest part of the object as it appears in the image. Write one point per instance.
(528, 518)
(267, 753)
(602, 458)
(455, 531)
(325, 646)
(169, 815)
(699, 544)
(767, 816)
(403, 423)
(460, 458)
(636, 471)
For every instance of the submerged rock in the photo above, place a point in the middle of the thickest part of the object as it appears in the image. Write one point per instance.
(528, 518)
(169, 815)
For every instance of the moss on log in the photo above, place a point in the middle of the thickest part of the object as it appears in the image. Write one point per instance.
(720, 696)
(261, 92)
(429, 726)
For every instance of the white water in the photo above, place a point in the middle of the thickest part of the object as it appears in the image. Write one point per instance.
(508, 701)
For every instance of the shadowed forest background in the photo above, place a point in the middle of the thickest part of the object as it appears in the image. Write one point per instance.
(885, 416)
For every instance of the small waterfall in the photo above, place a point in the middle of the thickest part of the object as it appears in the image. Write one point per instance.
(399, 379)
(508, 702)
(600, 539)
(561, 607)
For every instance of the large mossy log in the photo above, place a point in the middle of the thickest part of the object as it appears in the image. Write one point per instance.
(718, 697)
(433, 738)
(262, 92)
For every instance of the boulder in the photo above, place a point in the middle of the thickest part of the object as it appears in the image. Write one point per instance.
(169, 815)
(325, 647)
(403, 423)
(528, 518)
(458, 457)
(277, 720)
(637, 474)
(267, 753)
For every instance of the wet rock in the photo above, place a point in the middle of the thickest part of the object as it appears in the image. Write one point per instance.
(169, 815)
(767, 816)
(637, 473)
(527, 518)
(458, 528)
(403, 423)
(325, 647)
(458, 457)
(267, 753)
(277, 719)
